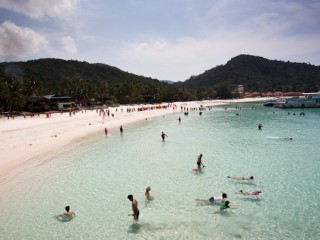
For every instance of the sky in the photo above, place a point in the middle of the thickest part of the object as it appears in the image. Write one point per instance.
(162, 39)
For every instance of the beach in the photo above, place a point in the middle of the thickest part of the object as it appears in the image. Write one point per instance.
(27, 139)
(75, 164)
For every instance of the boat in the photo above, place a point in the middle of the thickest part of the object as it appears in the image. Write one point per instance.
(309, 100)
(274, 102)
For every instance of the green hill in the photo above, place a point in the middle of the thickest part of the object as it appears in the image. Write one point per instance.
(52, 72)
(259, 74)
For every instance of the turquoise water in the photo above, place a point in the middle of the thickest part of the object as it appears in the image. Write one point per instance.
(95, 176)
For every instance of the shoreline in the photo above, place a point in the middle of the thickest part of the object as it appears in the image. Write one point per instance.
(27, 139)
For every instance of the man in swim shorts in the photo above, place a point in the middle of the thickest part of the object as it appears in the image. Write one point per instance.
(199, 161)
(135, 209)
(163, 135)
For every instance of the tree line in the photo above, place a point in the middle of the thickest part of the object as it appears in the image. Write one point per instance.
(22, 83)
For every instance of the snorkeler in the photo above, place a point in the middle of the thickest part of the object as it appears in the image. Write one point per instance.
(213, 200)
(242, 178)
(254, 193)
(223, 207)
(135, 209)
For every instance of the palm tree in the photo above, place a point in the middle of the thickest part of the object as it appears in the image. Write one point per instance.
(32, 89)
(15, 98)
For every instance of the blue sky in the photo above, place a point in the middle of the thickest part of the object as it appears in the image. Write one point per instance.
(163, 39)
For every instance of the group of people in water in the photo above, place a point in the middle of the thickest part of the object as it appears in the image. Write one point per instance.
(222, 200)
(214, 200)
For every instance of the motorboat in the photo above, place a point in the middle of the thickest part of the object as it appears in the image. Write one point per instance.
(309, 100)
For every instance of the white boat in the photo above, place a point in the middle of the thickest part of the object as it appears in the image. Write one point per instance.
(309, 100)
(274, 102)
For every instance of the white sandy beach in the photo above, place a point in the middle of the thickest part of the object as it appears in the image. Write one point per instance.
(26, 139)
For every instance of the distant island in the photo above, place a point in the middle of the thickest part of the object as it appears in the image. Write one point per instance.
(23, 83)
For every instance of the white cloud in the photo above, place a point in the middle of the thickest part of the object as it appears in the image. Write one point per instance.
(39, 9)
(178, 60)
(17, 42)
(69, 45)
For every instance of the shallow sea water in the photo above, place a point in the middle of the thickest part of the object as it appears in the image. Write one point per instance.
(95, 176)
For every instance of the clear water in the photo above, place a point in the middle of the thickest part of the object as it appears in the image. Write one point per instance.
(95, 176)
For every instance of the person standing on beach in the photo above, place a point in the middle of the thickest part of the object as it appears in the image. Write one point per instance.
(163, 135)
(135, 208)
(106, 131)
(199, 161)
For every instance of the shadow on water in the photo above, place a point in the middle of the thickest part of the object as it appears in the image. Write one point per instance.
(253, 200)
(246, 183)
(134, 228)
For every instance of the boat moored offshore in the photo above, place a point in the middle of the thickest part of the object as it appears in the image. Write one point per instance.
(309, 100)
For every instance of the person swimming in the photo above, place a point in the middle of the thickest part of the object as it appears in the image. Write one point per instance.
(242, 178)
(223, 207)
(254, 193)
(67, 216)
(213, 200)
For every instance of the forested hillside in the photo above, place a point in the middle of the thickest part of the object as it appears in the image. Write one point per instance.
(259, 74)
(90, 84)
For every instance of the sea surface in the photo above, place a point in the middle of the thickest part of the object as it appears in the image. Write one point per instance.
(95, 175)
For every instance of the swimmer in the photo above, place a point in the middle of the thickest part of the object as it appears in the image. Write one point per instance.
(260, 126)
(135, 208)
(147, 193)
(121, 129)
(254, 193)
(68, 215)
(288, 139)
(242, 178)
(163, 135)
(223, 207)
(213, 200)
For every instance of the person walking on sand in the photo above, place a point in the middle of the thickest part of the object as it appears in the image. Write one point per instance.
(242, 178)
(199, 162)
(163, 135)
(135, 208)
